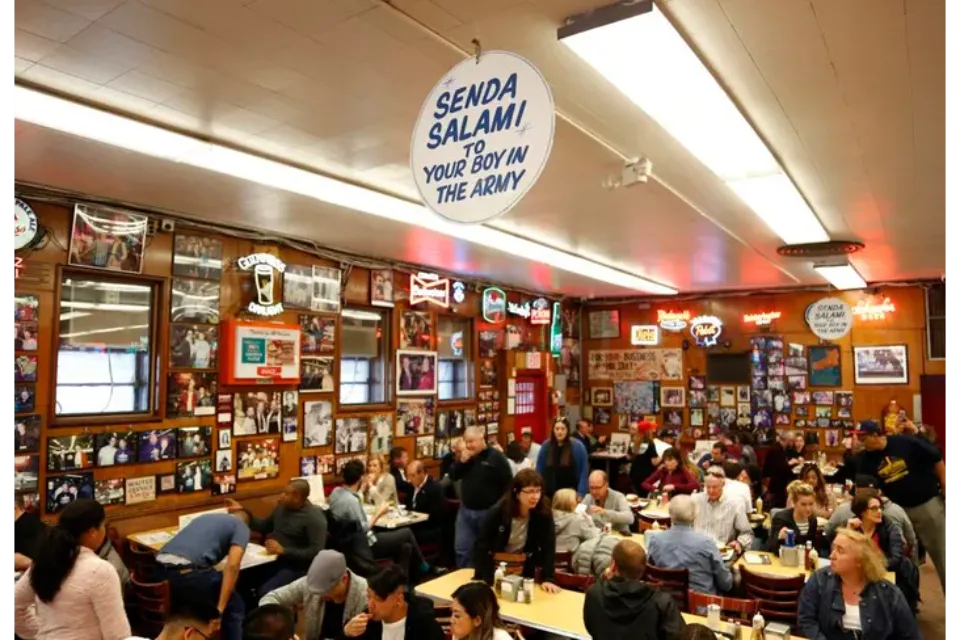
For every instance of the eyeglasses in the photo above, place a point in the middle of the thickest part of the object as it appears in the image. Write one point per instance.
(531, 491)
(202, 635)
(875, 507)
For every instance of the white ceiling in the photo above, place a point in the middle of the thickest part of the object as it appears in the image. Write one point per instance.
(849, 94)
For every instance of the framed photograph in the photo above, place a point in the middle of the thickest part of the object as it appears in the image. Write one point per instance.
(193, 442)
(416, 330)
(308, 466)
(351, 435)
(193, 346)
(109, 240)
(673, 417)
(166, 483)
(290, 412)
(758, 381)
(25, 368)
(140, 490)
(381, 433)
(823, 412)
(489, 343)
(117, 447)
(425, 447)
(298, 287)
(197, 257)
(342, 460)
(24, 398)
(781, 402)
(601, 396)
(698, 382)
(258, 459)
(795, 366)
(64, 489)
(256, 413)
(762, 397)
(795, 383)
(326, 464)
(224, 484)
(416, 373)
(619, 443)
(25, 336)
(832, 437)
(844, 412)
(602, 416)
(713, 394)
(743, 393)
(26, 472)
(317, 423)
(781, 419)
(698, 398)
(66, 453)
(803, 423)
(381, 287)
(604, 324)
(728, 396)
(26, 433)
(223, 461)
(194, 301)
(802, 412)
(415, 416)
(326, 290)
(727, 418)
(880, 365)
(674, 396)
(844, 398)
(488, 373)
(223, 438)
(26, 308)
(191, 394)
(193, 476)
(318, 334)
(762, 418)
(801, 397)
(158, 444)
(776, 383)
(824, 365)
(743, 414)
(316, 374)
(108, 492)
(823, 398)
(696, 417)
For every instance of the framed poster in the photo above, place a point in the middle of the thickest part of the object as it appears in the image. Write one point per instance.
(602, 396)
(109, 240)
(197, 257)
(416, 373)
(141, 489)
(824, 365)
(381, 287)
(604, 324)
(880, 365)
(260, 350)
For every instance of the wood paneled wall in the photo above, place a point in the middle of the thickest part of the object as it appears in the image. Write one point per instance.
(42, 272)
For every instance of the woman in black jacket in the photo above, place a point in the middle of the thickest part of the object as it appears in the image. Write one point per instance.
(645, 459)
(521, 522)
(799, 519)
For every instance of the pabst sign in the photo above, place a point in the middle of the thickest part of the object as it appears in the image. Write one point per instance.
(706, 330)
(829, 318)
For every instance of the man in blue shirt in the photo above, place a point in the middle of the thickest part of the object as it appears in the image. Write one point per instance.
(683, 547)
(189, 562)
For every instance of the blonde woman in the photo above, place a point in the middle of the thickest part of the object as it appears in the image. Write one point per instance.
(577, 533)
(379, 486)
(825, 503)
(871, 608)
(799, 518)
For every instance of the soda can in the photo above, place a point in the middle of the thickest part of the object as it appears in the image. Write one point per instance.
(528, 588)
(791, 539)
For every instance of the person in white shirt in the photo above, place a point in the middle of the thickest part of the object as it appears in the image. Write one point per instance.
(476, 613)
(200, 352)
(723, 518)
(531, 447)
(105, 457)
(394, 613)
(733, 488)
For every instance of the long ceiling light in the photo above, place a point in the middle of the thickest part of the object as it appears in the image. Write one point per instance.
(636, 48)
(841, 276)
(80, 120)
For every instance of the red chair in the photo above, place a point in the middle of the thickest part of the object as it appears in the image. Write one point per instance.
(731, 609)
(676, 582)
(572, 581)
(149, 603)
(563, 560)
(778, 598)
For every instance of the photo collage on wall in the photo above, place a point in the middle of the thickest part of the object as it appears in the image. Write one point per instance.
(771, 402)
(26, 315)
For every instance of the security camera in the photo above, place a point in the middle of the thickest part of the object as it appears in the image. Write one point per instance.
(634, 171)
(167, 225)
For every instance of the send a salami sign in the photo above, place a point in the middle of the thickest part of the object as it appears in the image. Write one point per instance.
(483, 136)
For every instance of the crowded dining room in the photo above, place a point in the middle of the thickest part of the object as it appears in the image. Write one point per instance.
(479, 319)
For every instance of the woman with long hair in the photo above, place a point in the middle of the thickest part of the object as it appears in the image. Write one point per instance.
(824, 502)
(70, 593)
(563, 461)
(799, 518)
(852, 598)
(520, 523)
(379, 486)
(645, 459)
(476, 614)
(672, 477)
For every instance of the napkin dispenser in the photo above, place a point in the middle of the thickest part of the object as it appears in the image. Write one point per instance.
(776, 631)
(791, 556)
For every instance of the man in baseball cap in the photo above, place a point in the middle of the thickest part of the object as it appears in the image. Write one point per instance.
(330, 594)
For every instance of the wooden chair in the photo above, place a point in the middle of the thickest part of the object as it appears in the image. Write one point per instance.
(731, 609)
(515, 562)
(778, 597)
(676, 582)
(143, 559)
(572, 581)
(150, 604)
(563, 560)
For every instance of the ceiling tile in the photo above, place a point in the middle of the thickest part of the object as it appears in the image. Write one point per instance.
(92, 68)
(309, 17)
(177, 71)
(44, 20)
(428, 13)
(59, 81)
(100, 41)
(360, 40)
(470, 10)
(89, 9)
(144, 86)
(122, 101)
(30, 46)
(246, 121)
(20, 65)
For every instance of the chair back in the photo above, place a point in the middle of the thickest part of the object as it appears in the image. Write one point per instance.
(778, 597)
(563, 560)
(676, 582)
(143, 559)
(572, 581)
(149, 603)
(731, 609)
(515, 562)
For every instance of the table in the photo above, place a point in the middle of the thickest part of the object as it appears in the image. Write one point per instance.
(255, 555)
(558, 613)
(655, 512)
(393, 520)
(609, 458)
(778, 570)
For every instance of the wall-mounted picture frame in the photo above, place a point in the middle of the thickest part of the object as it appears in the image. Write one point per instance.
(166, 483)
(197, 257)
(825, 365)
(381, 287)
(696, 417)
(416, 373)
(601, 396)
(117, 447)
(258, 459)
(673, 397)
(886, 364)
(604, 325)
(108, 240)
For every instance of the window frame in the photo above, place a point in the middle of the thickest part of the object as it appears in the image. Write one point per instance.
(470, 365)
(928, 317)
(156, 384)
(387, 352)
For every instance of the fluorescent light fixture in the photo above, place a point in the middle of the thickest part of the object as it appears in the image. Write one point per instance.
(99, 331)
(87, 122)
(636, 48)
(841, 276)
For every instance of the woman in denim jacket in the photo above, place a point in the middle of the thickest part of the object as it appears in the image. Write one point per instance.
(851, 599)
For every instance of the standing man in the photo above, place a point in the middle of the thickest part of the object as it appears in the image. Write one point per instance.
(722, 517)
(606, 505)
(484, 475)
(189, 562)
(912, 473)
(295, 531)
(585, 435)
(777, 471)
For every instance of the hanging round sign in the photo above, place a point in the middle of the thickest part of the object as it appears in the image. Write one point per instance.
(706, 330)
(829, 318)
(482, 138)
(24, 224)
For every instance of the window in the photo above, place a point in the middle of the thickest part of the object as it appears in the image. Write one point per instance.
(455, 371)
(105, 356)
(937, 322)
(364, 359)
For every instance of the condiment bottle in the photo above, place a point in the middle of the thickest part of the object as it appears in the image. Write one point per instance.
(758, 624)
(498, 578)
(760, 505)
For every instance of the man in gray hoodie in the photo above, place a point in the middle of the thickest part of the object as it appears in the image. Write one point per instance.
(331, 595)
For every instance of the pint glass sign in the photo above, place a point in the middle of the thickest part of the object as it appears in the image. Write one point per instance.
(263, 266)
